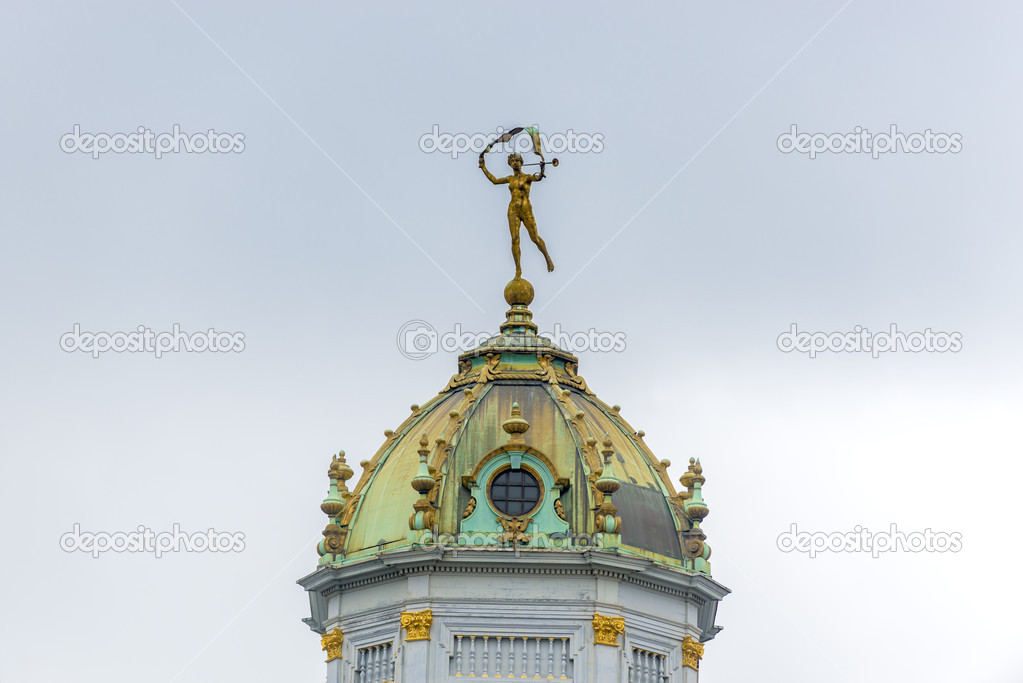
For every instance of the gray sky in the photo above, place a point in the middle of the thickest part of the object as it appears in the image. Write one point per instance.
(690, 233)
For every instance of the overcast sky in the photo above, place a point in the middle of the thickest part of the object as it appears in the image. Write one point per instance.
(689, 233)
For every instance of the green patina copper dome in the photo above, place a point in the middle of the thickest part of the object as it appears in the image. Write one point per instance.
(516, 405)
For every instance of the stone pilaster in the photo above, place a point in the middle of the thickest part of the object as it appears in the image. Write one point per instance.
(331, 643)
(692, 652)
(415, 658)
(607, 647)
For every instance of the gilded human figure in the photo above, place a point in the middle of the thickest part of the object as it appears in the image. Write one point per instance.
(520, 211)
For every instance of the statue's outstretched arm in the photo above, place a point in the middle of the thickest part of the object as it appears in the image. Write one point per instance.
(490, 176)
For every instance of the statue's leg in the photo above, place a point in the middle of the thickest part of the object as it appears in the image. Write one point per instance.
(513, 226)
(530, 224)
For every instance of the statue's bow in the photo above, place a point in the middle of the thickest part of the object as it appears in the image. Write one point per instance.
(534, 135)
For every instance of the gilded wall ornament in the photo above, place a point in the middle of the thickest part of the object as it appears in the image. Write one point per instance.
(692, 652)
(515, 529)
(417, 625)
(606, 629)
(331, 644)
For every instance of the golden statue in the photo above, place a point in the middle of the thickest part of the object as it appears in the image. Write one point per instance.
(520, 211)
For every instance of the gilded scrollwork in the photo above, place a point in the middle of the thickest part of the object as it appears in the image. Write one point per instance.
(546, 371)
(571, 369)
(460, 378)
(515, 529)
(417, 625)
(489, 371)
(331, 644)
(606, 629)
(692, 653)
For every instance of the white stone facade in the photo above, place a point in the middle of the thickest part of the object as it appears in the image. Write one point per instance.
(507, 613)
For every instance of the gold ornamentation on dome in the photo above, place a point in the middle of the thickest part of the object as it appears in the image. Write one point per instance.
(417, 625)
(598, 497)
(349, 511)
(464, 368)
(695, 507)
(519, 292)
(333, 506)
(692, 652)
(592, 459)
(693, 544)
(333, 539)
(571, 369)
(516, 426)
(515, 529)
(564, 397)
(424, 483)
(331, 644)
(559, 509)
(546, 371)
(607, 519)
(434, 493)
(470, 507)
(339, 469)
(489, 370)
(606, 629)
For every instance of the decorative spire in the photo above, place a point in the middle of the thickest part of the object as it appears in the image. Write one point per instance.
(333, 505)
(607, 519)
(516, 425)
(695, 507)
(423, 482)
(694, 541)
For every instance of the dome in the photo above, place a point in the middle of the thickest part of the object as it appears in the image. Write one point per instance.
(516, 450)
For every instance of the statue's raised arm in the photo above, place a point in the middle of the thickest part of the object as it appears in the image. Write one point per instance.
(490, 176)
